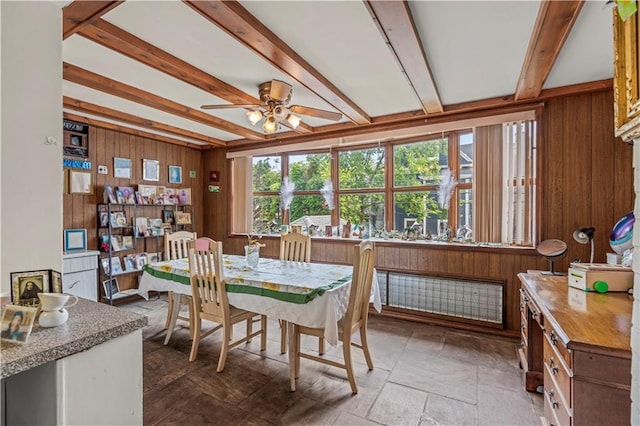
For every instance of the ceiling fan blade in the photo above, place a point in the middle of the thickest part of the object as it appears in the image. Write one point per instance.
(229, 106)
(315, 112)
(280, 91)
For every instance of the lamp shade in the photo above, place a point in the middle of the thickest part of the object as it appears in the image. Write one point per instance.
(584, 235)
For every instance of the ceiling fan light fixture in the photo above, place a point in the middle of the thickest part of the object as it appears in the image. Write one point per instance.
(254, 116)
(293, 120)
(269, 125)
(280, 112)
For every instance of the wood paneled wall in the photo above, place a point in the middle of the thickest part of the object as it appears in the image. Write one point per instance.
(586, 180)
(587, 175)
(79, 211)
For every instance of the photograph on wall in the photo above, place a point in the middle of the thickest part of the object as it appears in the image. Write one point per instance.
(175, 174)
(17, 322)
(150, 170)
(80, 182)
(122, 167)
(76, 139)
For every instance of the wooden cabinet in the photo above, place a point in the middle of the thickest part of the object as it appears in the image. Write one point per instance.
(583, 351)
(626, 82)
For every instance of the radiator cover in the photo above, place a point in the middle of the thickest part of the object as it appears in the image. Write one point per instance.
(458, 298)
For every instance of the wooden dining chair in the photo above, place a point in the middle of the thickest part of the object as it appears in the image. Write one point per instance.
(175, 247)
(210, 302)
(355, 318)
(295, 247)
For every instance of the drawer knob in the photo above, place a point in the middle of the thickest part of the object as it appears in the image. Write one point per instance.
(553, 366)
(554, 338)
(554, 403)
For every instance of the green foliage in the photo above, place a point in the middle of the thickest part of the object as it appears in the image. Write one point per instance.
(418, 159)
(363, 168)
(266, 174)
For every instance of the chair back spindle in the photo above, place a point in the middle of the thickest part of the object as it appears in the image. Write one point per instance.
(295, 247)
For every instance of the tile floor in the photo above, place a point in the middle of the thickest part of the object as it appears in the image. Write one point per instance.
(423, 375)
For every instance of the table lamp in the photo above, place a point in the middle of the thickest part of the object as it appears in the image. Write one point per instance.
(583, 236)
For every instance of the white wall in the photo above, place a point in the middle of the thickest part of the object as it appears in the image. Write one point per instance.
(30, 171)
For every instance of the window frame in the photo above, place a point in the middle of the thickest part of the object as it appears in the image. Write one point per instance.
(389, 190)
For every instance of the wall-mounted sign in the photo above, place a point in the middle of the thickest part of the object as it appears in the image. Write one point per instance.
(76, 139)
(192, 174)
(76, 164)
(214, 188)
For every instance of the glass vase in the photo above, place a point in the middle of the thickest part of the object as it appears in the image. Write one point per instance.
(252, 256)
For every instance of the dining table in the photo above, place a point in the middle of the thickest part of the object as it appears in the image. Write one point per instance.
(310, 294)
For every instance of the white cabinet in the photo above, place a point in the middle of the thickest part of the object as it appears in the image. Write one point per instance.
(99, 386)
(79, 274)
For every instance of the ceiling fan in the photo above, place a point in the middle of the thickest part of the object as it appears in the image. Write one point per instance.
(275, 96)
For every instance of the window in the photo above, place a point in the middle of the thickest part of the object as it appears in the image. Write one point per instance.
(398, 185)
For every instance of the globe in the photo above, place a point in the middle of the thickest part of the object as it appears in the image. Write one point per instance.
(620, 239)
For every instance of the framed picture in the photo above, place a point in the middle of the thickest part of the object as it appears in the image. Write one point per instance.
(167, 216)
(110, 194)
(111, 287)
(118, 219)
(184, 195)
(17, 322)
(80, 182)
(122, 167)
(75, 239)
(150, 170)
(175, 174)
(129, 263)
(103, 218)
(25, 286)
(116, 266)
(128, 194)
(76, 139)
(183, 218)
(127, 242)
(56, 282)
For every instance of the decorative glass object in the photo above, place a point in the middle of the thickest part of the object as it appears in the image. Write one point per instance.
(252, 256)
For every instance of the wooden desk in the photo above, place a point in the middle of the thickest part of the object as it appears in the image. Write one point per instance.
(577, 345)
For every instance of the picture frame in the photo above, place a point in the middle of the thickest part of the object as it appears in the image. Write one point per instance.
(56, 281)
(80, 182)
(150, 170)
(128, 194)
(110, 194)
(75, 139)
(17, 323)
(182, 218)
(111, 287)
(116, 266)
(129, 263)
(122, 167)
(26, 285)
(75, 239)
(167, 216)
(118, 219)
(103, 219)
(175, 174)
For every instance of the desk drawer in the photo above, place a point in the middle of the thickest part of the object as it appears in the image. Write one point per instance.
(556, 370)
(554, 409)
(77, 264)
(551, 337)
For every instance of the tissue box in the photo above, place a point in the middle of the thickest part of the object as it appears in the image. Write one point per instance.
(585, 275)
